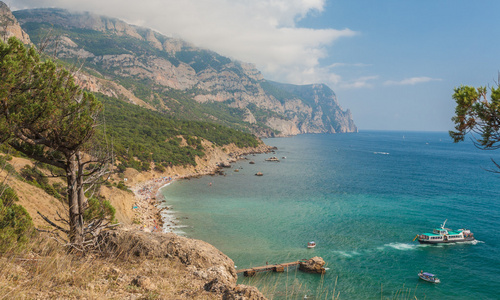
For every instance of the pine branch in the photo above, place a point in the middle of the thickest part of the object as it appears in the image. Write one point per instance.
(53, 224)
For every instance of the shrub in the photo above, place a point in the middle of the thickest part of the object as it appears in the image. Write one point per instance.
(160, 168)
(16, 225)
(99, 209)
(121, 185)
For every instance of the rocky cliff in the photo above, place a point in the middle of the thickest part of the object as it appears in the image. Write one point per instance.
(174, 77)
(10, 27)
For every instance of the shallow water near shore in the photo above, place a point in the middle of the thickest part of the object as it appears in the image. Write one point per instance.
(362, 198)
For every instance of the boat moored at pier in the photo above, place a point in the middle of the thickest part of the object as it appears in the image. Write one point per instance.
(445, 235)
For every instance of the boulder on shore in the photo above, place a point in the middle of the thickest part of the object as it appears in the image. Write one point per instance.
(212, 270)
(313, 265)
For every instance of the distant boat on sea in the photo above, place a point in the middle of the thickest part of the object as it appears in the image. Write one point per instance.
(428, 277)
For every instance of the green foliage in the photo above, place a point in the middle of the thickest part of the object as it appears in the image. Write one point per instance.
(48, 117)
(202, 59)
(121, 185)
(4, 165)
(181, 104)
(53, 170)
(35, 177)
(121, 168)
(280, 94)
(475, 113)
(16, 226)
(55, 113)
(99, 209)
(141, 136)
(32, 174)
(159, 168)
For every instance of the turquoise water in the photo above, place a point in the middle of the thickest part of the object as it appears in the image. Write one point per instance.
(362, 198)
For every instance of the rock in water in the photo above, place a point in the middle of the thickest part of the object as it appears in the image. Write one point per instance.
(313, 265)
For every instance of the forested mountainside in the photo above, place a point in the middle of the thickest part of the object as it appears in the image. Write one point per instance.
(170, 76)
(142, 137)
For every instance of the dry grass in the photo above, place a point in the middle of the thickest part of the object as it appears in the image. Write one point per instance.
(274, 286)
(46, 271)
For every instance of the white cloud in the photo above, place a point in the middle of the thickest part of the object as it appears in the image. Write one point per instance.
(337, 65)
(411, 81)
(263, 32)
(362, 82)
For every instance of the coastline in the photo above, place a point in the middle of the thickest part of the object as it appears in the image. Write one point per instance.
(150, 208)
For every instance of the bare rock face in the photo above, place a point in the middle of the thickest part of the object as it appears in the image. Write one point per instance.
(191, 252)
(10, 27)
(174, 67)
(313, 265)
(201, 259)
(242, 292)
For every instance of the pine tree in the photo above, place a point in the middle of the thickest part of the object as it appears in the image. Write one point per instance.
(49, 118)
(476, 114)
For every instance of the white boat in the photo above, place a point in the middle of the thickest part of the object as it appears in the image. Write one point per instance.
(311, 245)
(445, 235)
(428, 277)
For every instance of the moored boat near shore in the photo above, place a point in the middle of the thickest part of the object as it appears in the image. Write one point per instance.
(445, 235)
(274, 158)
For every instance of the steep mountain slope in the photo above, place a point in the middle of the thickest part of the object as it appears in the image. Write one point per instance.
(169, 75)
(10, 27)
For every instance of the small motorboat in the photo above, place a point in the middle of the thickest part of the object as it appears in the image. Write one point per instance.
(311, 245)
(274, 158)
(428, 277)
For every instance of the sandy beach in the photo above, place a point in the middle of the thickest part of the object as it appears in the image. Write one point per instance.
(149, 203)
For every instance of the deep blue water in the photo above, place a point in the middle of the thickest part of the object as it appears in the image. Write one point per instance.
(362, 198)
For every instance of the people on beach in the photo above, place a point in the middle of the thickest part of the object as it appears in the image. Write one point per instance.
(147, 210)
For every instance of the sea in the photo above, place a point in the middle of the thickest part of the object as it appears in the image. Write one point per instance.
(362, 197)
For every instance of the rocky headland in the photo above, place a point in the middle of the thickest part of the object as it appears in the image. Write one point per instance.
(136, 261)
(140, 260)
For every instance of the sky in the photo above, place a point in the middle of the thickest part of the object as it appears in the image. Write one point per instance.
(393, 63)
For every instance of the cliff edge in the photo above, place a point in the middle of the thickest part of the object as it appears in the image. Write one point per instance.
(10, 27)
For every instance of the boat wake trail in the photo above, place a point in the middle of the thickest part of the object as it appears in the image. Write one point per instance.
(474, 242)
(402, 246)
(348, 254)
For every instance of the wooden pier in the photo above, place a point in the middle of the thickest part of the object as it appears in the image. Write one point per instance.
(280, 268)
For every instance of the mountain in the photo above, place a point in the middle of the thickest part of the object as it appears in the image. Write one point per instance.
(10, 27)
(182, 81)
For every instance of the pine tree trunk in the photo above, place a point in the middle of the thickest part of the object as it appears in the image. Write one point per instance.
(82, 200)
(75, 215)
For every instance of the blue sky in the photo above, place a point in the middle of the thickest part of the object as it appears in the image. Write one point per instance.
(444, 43)
(394, 64)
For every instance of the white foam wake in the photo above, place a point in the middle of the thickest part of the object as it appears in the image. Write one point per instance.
(402, 246)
